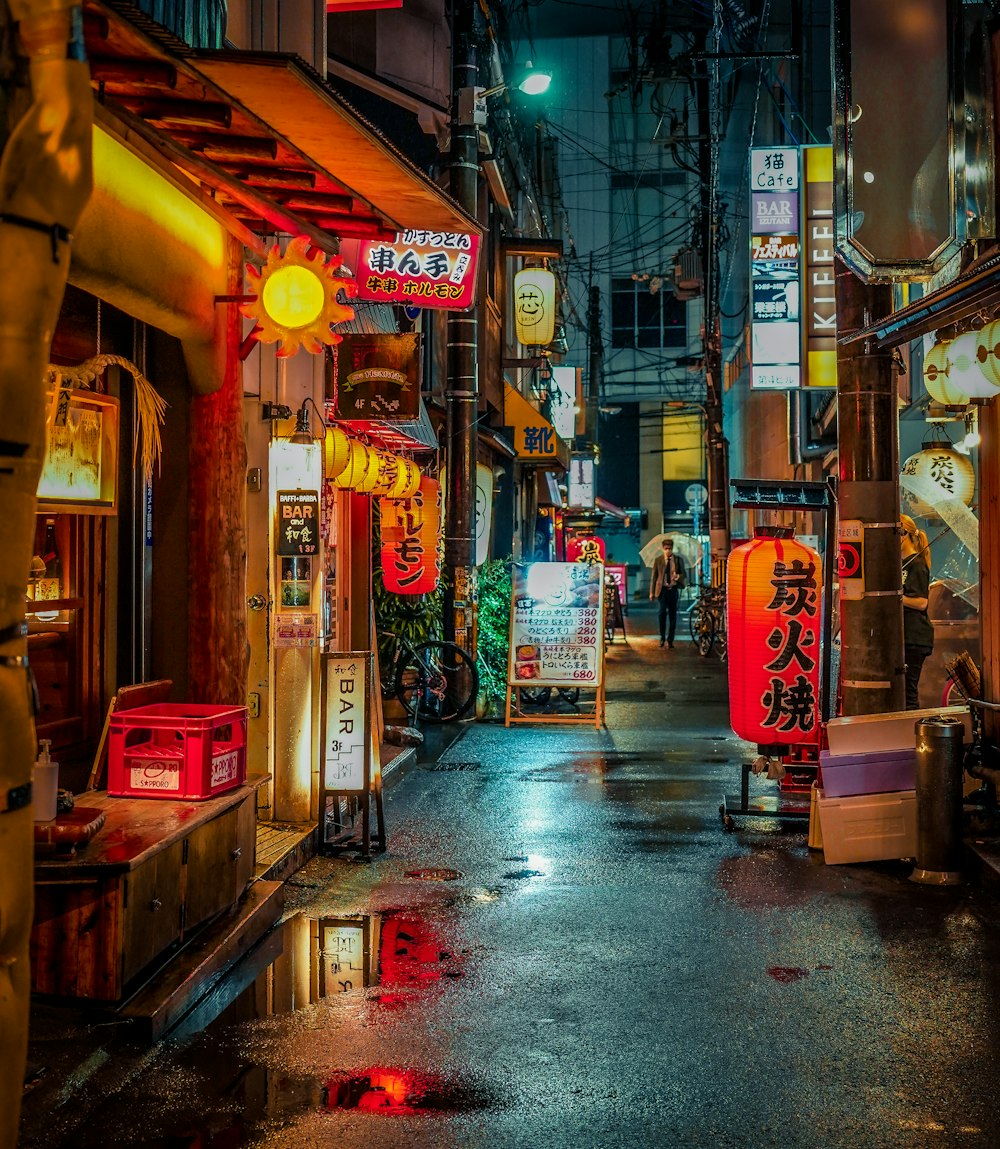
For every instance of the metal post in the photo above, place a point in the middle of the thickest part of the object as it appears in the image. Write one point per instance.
(462, 388)
(939, 801)
(871, 627)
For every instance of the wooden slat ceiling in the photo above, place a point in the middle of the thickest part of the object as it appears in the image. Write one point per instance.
(275, 147)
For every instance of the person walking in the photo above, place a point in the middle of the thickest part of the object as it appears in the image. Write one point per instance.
(918, 632)
(668, 577)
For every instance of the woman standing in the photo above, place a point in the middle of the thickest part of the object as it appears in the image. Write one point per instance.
(918, 633)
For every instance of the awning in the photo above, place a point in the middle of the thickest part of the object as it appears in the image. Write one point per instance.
(535, 439)
(416, 435)
(261, 134)
(610, 509)
(547, 490)
(957, 301)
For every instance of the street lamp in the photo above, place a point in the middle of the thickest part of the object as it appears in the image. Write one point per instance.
(534, 82)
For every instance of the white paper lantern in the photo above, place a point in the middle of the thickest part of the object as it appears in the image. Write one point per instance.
(988, 354)
(937, 377)
(964, 372)
(937, 472)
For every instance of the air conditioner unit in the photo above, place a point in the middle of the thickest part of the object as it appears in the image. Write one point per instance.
(688, 276)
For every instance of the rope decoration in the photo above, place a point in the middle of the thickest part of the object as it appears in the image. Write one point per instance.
(150, 406)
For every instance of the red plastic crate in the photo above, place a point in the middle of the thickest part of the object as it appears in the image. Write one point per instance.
(183, 750)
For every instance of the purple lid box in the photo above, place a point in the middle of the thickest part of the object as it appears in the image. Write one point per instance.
(881, 771)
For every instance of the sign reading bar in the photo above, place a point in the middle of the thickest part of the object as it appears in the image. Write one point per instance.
(377, 376)
(419, 268)
(557, 625)
(298, 522)
(346, 725)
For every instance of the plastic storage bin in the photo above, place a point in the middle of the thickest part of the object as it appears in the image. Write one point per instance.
(865, 733)
(844, 775)
(177, 750)
(869, 827)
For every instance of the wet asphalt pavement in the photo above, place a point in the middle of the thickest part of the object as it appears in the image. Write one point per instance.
(563, 947)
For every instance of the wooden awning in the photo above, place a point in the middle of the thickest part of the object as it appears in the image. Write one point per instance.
(262, 133)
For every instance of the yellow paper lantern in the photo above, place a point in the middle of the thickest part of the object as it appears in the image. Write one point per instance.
(367, 481)
(407, 481)
(964, 372)
(357, 465)
(937, 377)
(388, 473)
(988, 353)
(535, 305)
(337, 452)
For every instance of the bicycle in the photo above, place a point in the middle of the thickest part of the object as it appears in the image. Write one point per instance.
(433, 681)
(707, 620)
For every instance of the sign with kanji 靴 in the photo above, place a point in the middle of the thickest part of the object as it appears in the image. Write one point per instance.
(298, 522)
(557, 625)
(376, 376)
(411, 529)
(774, 596)
(420, 268)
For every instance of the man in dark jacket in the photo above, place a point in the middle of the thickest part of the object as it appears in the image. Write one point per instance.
(665, 586)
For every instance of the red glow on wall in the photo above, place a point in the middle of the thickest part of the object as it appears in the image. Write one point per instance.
(361, 5)
(774, 605)
(411, 528)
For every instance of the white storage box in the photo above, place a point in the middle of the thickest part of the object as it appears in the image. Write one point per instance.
(868, 827)
(869, 733)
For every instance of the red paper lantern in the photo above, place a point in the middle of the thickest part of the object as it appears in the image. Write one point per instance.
(774, 612)
(585, 549)
(411, 562)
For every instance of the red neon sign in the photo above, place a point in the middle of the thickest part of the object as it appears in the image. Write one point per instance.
(435, 269)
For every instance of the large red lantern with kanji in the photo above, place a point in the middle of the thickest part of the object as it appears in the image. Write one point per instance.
(774, 612)
(585, 549)
(411, 561)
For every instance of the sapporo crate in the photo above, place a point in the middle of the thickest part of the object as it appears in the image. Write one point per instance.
(177, 750)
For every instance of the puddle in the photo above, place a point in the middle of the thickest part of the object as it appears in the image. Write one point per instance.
(435, 875)
(519, 875)
(400, 1092)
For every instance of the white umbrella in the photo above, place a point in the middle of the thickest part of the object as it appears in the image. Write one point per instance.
(687, 546)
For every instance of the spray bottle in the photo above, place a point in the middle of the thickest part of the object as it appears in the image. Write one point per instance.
(45, 784)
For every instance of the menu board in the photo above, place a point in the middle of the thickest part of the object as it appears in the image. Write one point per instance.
(557, 624)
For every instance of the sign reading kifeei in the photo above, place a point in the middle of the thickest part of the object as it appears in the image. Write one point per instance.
(557, 625)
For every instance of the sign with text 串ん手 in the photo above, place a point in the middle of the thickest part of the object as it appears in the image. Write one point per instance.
(435, 269)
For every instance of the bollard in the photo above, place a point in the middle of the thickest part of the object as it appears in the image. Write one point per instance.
(939, 801)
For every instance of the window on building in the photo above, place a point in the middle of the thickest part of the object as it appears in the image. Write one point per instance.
(641, 318)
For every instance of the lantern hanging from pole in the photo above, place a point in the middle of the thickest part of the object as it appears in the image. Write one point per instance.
(407, 480)
(935, 473)
(586, 549)
(367, 481)
(411, 528)
(774, 622)
(937, 377)
(535, 305)
(965, 372)
(988, 353)
(357, 465)
(388, 473)
(337, 452)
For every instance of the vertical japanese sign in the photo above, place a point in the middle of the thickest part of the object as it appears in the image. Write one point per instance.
(435, 269)
(298, 523)
(774, 603)
(411, 530)
(557, 625)
(346, 722)
(820, 327)
(484, 511)
(775, 269)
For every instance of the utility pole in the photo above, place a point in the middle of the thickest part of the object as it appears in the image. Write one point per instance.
(462, 385)
(871, 627)
(716, 444)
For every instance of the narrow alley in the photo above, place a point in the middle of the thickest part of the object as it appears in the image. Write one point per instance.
(564, 947)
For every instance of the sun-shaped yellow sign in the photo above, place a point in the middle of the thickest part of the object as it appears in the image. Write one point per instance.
(297, 299)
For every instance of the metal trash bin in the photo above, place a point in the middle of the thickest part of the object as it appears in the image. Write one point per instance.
(939, 800)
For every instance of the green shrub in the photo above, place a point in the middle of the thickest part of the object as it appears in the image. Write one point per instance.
(494, 632)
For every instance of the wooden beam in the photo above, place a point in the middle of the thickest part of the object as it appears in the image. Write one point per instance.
(196, 113)
(222, 146)
(144, 73)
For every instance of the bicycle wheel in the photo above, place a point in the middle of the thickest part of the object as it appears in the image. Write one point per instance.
(695, 619)
(437, 682)
(535, 695)
(705, 637)
(570, 694)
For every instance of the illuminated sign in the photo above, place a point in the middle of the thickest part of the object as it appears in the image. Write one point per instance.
(435, 269)
(564, 400)
(820, 327)
(557, 624)
(775, 270)
(580, 489)
(535, 306)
